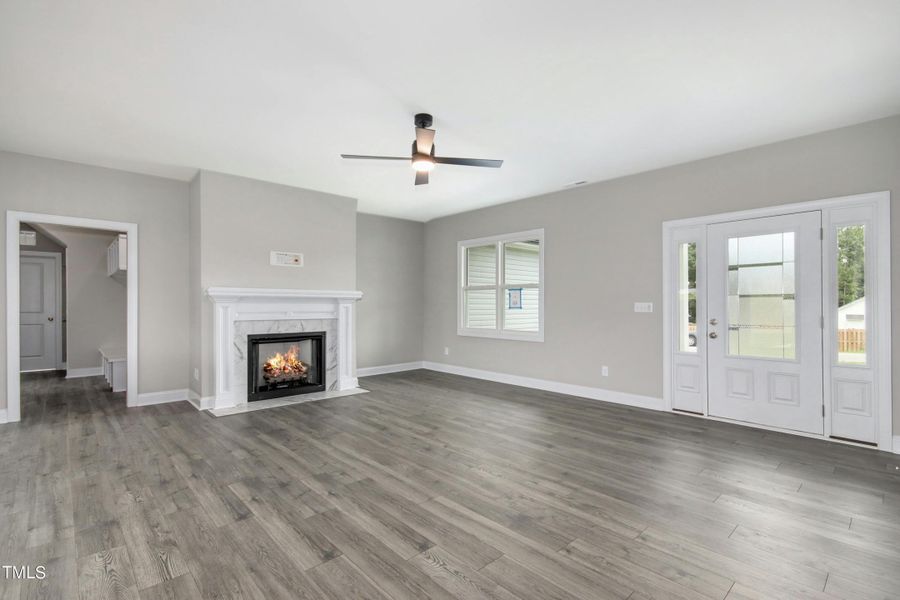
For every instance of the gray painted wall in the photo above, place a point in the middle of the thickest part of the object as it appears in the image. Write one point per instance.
(390, 266)
(96, 303)
(159, 207)
(239, 221)
(604, 248)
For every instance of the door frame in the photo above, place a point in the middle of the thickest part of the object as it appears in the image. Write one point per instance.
(879, 203)
(57, 260)
(13, 221)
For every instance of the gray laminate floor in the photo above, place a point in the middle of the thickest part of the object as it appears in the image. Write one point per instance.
(433, 486)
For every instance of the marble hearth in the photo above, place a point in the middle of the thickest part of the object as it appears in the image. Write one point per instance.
(239, 312)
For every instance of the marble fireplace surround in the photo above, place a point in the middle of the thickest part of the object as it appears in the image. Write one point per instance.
(236, 309)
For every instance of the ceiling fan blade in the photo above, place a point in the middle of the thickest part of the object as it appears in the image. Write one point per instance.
(424, 139)
(421, 177)
(468, 162)
(367, 157)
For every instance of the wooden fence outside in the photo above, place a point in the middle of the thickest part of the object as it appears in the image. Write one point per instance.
(851, 340)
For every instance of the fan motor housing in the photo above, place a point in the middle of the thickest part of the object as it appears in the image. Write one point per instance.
(423, 120)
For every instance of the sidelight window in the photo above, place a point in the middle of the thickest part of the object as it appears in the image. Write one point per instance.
(851, 295)
(687, 297)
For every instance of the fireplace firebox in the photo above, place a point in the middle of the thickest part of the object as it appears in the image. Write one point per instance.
(285, 364)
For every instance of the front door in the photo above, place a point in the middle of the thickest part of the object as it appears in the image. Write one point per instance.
(764, 328)
(37, 313)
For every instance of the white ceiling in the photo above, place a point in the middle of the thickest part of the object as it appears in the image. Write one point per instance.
(561, 90)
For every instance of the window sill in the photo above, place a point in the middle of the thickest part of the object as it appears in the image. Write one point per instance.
(518, 336)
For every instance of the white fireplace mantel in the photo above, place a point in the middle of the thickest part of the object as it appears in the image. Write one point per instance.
(265, 304)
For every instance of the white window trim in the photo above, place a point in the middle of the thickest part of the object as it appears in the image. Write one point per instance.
(498, 332)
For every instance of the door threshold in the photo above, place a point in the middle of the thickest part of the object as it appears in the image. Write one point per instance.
(852, 441)
(814, 436)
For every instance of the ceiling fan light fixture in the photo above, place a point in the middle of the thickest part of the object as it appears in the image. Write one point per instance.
(422, 163)
(423, 158)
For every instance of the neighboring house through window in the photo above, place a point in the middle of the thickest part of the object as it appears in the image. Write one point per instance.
(501, 292)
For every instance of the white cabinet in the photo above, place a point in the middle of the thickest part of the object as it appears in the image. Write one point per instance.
(117, 258)
(115, 367)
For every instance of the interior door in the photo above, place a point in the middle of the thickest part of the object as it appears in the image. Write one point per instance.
(764, 340)
(37, 313)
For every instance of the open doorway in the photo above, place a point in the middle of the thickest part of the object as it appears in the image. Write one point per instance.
(71, 305)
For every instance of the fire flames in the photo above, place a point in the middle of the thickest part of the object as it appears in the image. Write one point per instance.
(285, 366)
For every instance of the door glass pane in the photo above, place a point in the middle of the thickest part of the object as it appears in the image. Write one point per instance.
(520, 309)
(851, 295)
(481, 309)
(687, 297)
(481, 265)
(522, 262)
(761, 288)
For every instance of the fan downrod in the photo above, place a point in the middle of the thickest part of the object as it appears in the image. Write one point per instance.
(423, 120)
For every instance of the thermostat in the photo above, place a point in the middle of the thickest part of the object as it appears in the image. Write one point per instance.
(285, 259)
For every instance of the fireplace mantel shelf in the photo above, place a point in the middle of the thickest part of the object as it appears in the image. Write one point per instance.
(232, 294)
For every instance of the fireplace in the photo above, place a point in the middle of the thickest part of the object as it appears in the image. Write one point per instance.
(285, 364)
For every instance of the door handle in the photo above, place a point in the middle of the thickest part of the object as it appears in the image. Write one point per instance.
(49, 318)
(713, 334)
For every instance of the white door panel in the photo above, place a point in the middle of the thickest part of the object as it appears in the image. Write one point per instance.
(764, 344)
(37, 308)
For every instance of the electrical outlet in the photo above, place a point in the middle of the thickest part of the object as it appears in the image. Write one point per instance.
(643, 307)
(604, 370)
(196, 374)
(446, 350)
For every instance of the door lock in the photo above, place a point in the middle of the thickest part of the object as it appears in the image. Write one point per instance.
(713, 334)
(713, 321)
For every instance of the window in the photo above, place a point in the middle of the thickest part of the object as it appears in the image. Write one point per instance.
(501, 286)
(851, 295)
(687, 297)
(761, 296)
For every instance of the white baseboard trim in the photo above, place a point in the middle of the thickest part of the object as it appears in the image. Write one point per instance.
(204, 403)
(383, 369)
(582, 391)
(3, 416)
(84, 372)
(896, 444)
(163, 397)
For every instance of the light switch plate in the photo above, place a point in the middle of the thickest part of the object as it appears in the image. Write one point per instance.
(643, 307)
(285, 259)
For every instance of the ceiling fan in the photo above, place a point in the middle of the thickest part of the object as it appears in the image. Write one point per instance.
(423, 158)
